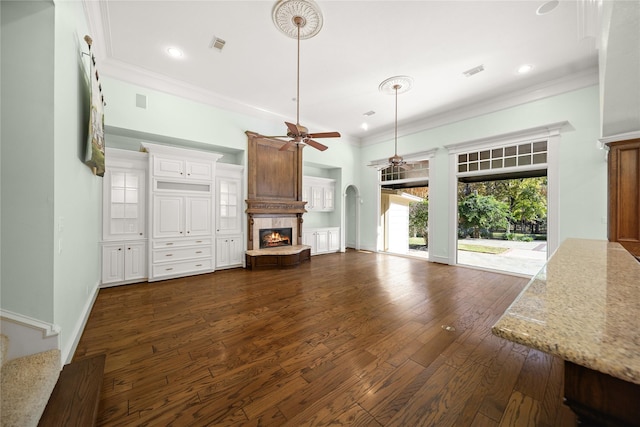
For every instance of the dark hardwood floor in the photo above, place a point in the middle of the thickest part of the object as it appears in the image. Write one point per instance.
(347, 339)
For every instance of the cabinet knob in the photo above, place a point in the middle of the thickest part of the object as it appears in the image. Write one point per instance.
(198, 252)
(128, 249)
(188, 232)
(181, 232)
(141, 234)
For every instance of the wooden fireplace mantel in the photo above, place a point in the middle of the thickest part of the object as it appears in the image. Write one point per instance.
(274, 181)
(275, 207)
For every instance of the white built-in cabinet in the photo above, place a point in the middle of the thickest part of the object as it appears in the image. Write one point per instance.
(169, 212)
(182, 197)
(181, 216)
(229, 201)
(124, 262)
(124, 240)
(322, 240)
(229, 251)
(182, 169)
(319, 193)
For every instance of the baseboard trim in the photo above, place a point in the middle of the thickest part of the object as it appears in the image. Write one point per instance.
(438, 259)
(28, 335)
(70, 349)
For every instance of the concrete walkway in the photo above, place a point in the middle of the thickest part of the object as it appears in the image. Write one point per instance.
(520, 257)
(525, 258)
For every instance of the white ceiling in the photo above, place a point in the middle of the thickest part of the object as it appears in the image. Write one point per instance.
(360, 44)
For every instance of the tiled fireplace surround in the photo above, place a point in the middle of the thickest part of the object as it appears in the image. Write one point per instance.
(260, 223)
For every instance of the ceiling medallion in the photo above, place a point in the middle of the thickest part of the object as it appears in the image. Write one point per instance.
(396, 85)
(285, 11)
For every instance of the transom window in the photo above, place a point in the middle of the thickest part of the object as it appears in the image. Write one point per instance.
(410, 170)
(530, 153)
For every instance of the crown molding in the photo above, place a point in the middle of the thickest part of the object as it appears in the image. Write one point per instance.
(97, 14)
(619, 137)
(533, 93)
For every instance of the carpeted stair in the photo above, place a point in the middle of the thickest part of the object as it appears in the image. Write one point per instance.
(25, 385)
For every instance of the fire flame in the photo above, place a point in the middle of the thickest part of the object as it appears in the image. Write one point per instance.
(276, 239)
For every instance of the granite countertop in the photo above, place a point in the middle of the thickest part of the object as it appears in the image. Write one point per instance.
(583, 306)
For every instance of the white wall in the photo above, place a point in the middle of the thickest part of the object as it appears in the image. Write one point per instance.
(182, 119)
(27, 127)
(620, 67)
(78, 193)
(583, 180)
(50, 199)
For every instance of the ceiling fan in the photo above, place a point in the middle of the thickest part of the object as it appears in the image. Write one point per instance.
(395, 85)
(291, 17)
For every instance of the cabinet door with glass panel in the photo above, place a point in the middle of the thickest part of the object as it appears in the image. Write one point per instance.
(124, 216)
(228, 197)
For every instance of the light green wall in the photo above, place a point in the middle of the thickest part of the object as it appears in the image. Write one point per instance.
(180, 118)
(27, 158)
(43, 127)
(185, 120)
(583, 192)
(78, 193)
(582, 170)
(51, 202)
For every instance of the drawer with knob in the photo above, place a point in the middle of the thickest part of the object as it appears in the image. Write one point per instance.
(180, 268)
(177, 254)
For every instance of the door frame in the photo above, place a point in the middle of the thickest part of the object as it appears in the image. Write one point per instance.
(552, 134)
(431, 179)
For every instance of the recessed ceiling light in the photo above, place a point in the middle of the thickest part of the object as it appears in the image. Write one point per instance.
(525, 68)
(547, 7)
(174, 52)
(364, 126)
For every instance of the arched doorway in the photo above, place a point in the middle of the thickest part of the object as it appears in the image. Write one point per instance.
(352, 215)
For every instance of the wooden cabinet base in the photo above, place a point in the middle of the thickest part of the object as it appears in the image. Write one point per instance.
(599, 399)
(261, 261)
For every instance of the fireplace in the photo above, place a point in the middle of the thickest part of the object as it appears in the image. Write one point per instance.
(274, 237)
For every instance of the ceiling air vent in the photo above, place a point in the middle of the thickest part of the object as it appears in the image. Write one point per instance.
(475, 70)
(217, 43)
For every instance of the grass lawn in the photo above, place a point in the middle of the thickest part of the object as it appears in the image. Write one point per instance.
(417, 241)
(481, 249)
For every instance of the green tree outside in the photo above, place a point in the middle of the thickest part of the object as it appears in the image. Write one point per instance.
(419, 219)
(482, 212)
(525, 197)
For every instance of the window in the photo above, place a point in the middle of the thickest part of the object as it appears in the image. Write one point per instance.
(408, 171)
(530, 153)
